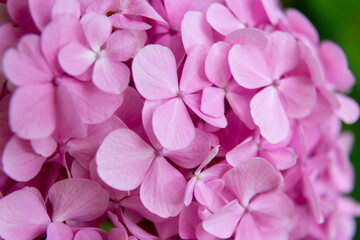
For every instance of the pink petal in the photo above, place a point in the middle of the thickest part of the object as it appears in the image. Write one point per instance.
(282, 158)
(272, 211)
(195, 31)
(142, 8)
(176, 10)
(301, 25)
(88, 234)
(193, 76)
(45, 146)
(273, 11)
(310, 194)
(249, 67)
(123, 159)
(69, 123)
(212, 154)
(298, 96)
(122, 22)
(121, 45)
(163, 189)
(269, 114)
(32, 116)
(223, 223)
(189, 191)
(349, 109)
(70, 7)
(172, 125)
(94, 106)
(137, 231)
(84, 149)
(59, 231)
(59, 32)
(41, 12)
(75, 58)
(247, 36)
(212, 101)
(250, 178)
(20, 14)
(222, 20)
(176, 46)
(193, 101)
(28, 57)
(248, 229)
(23, 209)
(282, 53)
(188, 221)
(131, 108)
(246, 150)
(147, 116)
(117, 233)
(97, 29)
(154, 72)
(192, 155)
(111, 77)
(77, 199)
(168, 228)
(217, 64)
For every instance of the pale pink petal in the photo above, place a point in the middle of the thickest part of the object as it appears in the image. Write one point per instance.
(273, 10)
(94, 105)
(78, 171)
(59, 32)
(174, 42)
(217, 65)
(312, 64)
(272, 211)
(250, 178)
(121, 45)
(19, 161)
(195, 31)
(84, 149)
(28, 57)
(75, 58)
(349, 109)
(247, 36)
(41, 12)
(122, 22)
(109, 76)
(310, 194)
(154, 72)
(192, 155)
(298, 96)
(32, 111)
(123, 159)
(246, 150)
(69, 123)
(193, 76)
(147, 116)
(222, 20)
(188, 221)
(176, 9)
(248, 229)
(212, 154)
(61, 7)
(77, 199)
(23, 209)
(223, 223)
(301, 25)
(193, 101)
(269, 115)
(97, 29)
(282, 158)
(59, 231)
(212, 101)
(189, 191)
(88, 234)
(101, 6)
(249, 66)
(282, 53)
(141, 8)
(44, 146)
(162, 191)
(172, 125)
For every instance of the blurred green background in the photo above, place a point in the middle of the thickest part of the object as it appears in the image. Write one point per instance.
(339, 21)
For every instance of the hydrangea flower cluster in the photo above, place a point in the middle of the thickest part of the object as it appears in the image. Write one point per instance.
(172, 119)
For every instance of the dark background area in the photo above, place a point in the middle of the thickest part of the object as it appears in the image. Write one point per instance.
(339, 21)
